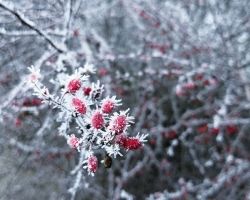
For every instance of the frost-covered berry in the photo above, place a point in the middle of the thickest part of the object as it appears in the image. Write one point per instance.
(79, 105)
(214, 131)
(118, 123)
(74, 85)
(97, 120)
(73, 141)
(108, 106)
(32, 102)
(121, 140)
(86, 91)
(132, 143)
(129, 143)
(231, 129)
(92, 164)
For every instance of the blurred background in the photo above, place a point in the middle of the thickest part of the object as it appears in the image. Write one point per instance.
(182, 67)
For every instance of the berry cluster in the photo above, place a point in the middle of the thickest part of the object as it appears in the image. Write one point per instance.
(99, 123)
(196, 81)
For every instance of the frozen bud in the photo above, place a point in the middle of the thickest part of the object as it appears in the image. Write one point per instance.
(129, 143)
(73, 141)
(97, 120)
(79, 105)
(74, 85)
(202, 128)
(86, 91)
(108, 106)
(231, 129)
(214, 131)
(92, 164)
(121, 140)
(132, 143)
(32, 102)
(118, 124)
(206, 82)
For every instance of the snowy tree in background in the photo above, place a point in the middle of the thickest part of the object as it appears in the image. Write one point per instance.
(182, 67)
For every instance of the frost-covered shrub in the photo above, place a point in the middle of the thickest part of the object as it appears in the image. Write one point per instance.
(182, 67)
(98, 121)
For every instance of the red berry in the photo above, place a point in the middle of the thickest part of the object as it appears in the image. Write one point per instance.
(202, 128)
(73, 141)
(215, 131)
(108, 106)
(32, 102)
(206, 82)
(36, 102)
(132, 143)
(118, 124)
(92, 164)
(74, 85)
(79, 105)
(86, 91)
(129, 143)
(231, 129)
(171, 134)
(121, 140)
(97, 120)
